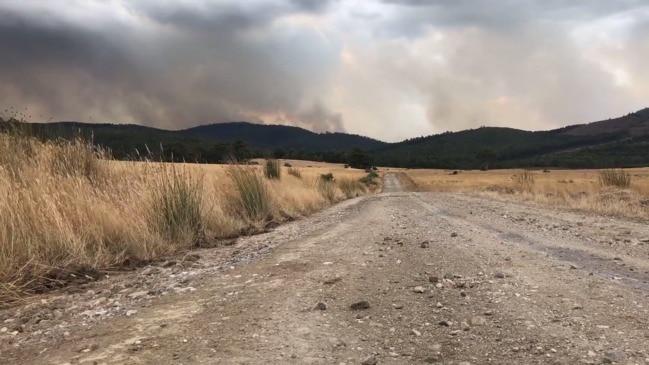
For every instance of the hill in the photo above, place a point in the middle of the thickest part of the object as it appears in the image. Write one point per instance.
(633, 124)
(208, 143)
(619, 142)
(615, 142)
(279, 136)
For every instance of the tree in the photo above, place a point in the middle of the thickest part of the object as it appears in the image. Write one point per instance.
(486, 156)
(279, 153)
(359, 159)
(239, 150)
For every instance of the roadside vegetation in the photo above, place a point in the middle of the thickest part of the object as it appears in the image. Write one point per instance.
(618, 192)
(68, 211)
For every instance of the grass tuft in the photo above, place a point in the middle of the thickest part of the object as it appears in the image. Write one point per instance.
(272, 169)
(327, 187)
(613, 177)
(295, 172)
(253, 196)
(524, 180)
(177, 205)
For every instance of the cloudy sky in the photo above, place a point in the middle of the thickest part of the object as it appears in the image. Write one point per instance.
(390, 69)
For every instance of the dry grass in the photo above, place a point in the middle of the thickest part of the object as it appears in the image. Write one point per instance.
(613, 177)
(294, 172)
(575, 189)
(66, 208)
(524, 180)
(351, 187)
(272, 169)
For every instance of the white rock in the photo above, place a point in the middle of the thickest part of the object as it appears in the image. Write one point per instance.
(418, 289)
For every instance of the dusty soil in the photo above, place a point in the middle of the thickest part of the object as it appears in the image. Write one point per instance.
(441, 278)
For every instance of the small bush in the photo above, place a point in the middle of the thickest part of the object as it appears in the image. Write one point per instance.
(295, 172)
(286, 164)
(178, 206)
(327, 177)
(255, 203)
(524, 180)
(351, 188)
(370, 180)
(612, 177)
(272, 169)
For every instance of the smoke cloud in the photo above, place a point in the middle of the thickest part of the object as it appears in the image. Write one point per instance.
(387, 69)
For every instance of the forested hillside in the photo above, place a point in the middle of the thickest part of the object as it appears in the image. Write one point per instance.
(619, 142)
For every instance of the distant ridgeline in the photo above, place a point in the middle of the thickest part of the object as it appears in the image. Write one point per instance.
(619, 142)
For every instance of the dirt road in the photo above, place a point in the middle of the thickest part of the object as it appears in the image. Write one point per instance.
(432, 278)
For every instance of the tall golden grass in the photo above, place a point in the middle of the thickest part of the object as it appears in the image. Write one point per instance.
(66, 207)
(612, 192)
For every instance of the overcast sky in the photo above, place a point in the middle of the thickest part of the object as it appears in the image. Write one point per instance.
(390, 69)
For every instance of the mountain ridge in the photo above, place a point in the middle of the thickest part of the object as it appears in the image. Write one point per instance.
(621, 141)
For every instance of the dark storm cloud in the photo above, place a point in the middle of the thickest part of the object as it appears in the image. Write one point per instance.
(165, 64)
(390, 69)
(226, 16)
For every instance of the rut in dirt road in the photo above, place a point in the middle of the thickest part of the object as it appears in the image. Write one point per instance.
(446, 278)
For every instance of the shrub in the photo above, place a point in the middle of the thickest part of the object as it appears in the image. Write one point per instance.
(177, 206)
(327, 177)
(613, 177)
(351, 187)
(286, 164)
(255, 203)
(295, 172)
(370, 180)
(272, 169)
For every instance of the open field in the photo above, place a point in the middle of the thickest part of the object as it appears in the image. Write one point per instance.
(575, 189)
(67, 212)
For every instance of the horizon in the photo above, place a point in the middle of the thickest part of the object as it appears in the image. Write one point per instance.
(349, 133)
(388, 69)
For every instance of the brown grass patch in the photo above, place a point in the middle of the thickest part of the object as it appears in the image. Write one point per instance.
(575, 189)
